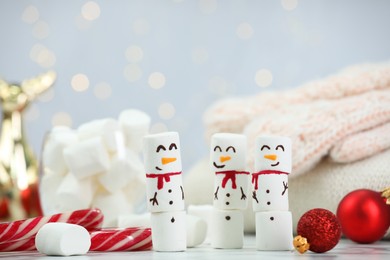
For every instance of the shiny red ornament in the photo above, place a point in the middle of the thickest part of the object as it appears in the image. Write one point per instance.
(321, 229)
(364, 216)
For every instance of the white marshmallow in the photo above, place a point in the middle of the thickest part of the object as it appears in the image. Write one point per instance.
(106, 128)
(48, 187)
(112, 205)
(164, 184)
(205, 213)
(134, 220)
(227, 229)
(135, 125)
(196, 230)
(135, 190)
(55, 142)
(228, 152)
(169, 198)
(74, 194)
(162, 153)
(230, 198)
(118, 175)
(169, 231)
(87, 158)
(272, 193)
(270, 179)
(273, 153)
(231, 181)
(196, 227)
(274, 230)
(62, 239)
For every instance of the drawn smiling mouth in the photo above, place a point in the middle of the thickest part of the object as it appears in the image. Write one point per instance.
(218, 166)
(276, 164)
(158, 168)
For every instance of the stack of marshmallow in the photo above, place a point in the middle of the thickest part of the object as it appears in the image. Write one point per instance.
(97, 165)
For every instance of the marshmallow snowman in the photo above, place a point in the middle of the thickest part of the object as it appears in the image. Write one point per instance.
(270, 179)
(227, 158)
(164, 184)
(164, 191)
(270, 193)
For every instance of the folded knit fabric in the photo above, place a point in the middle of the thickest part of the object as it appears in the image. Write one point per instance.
(346, 116)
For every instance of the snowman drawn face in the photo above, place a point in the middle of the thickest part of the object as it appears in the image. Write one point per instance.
(162, 153)
(227, 152)
(273, 153)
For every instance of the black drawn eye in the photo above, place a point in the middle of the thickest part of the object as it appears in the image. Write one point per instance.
(217, 148)
(160, 147)
(280, 147)
(230, 148)
(173, 146)
(265, 146)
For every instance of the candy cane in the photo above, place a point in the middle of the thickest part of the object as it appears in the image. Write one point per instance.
(91, 219)
(121, 239)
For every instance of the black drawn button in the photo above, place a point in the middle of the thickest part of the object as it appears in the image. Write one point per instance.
(271, 218)
(227, 218)
(172, 219)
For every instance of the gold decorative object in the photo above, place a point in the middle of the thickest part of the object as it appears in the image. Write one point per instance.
(18, 165)
(300, 244)
(386, 195)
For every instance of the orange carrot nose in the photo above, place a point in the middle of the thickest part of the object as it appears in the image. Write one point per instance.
(224, 158)
(272, 157)
(166, 160)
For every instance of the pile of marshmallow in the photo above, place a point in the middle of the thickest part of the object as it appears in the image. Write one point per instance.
(97, 165)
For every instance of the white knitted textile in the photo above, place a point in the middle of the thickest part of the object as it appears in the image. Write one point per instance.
(322, 117)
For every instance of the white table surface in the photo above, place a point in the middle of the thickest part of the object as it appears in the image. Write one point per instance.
(346, 249)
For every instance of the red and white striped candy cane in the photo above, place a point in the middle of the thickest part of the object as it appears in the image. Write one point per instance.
(91, 219)
(19, 245)
(121, 239)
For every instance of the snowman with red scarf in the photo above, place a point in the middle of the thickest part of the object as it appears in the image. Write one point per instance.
(164, 191)
(270, 193)
(231, 181)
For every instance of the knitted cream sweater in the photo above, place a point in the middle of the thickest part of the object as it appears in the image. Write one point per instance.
(345, 116)
(339, 126)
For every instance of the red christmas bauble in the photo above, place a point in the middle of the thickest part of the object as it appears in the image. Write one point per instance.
(321, 229)
(364, 216)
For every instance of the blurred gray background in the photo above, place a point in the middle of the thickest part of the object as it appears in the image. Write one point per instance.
(174, 58)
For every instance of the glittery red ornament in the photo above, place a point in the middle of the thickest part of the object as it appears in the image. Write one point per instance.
(364, 216)
(321, 229)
